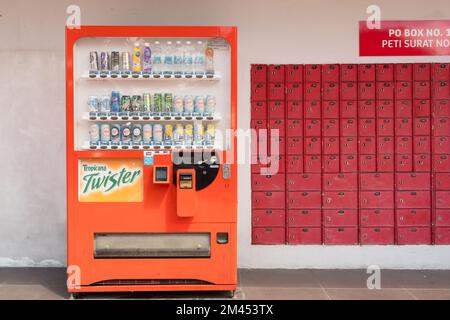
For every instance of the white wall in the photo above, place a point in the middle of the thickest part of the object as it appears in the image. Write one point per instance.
(32, 183)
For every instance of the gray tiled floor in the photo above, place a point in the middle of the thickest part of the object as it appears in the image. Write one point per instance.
(49, 283)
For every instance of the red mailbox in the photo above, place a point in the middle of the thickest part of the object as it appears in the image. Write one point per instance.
(258, 110)
(376, 217)
(294, 109)
(294, 163)
(313, 72)
(340, 181)
(384, 72)
(312, 109)
(330, 127)
(421, 108)
(294, 128)
(403, 72)
(330, 73)
(305, 218)
(385, 90)
(294, 91)
(422, 72)
(258, 73)
(304, 182)
(377, 236)
(268, 218)
(312, 163)
(304, 200)
(349, 109)
(413, 217)
(276, 109)
(414, 235)
(268, 235)
(413, 199)
(276, 73)
(274, 182)
(340, 218)
(304, 236)
(341, 236)
(385, 109)
(349, 127)
(377, 181)
(349, 72)
(331, 109)
(376, 199)
(294, 73)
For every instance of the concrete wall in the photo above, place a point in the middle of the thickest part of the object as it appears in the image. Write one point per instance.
(32, 123)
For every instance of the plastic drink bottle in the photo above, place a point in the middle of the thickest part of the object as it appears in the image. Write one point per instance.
(178, 59)
(168, 60)
(157, 59)
(137, 58)
(147, 59)
(199, 59)
(209, 62)
(188, 60)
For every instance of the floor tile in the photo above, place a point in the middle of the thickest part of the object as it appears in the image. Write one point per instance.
(430, 294)
(27, 292)
(277, 293)
(366, 294)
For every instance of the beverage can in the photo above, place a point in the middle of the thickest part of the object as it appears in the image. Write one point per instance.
(125, 104)
(199, 105)
(115, 133)
(210, 107)
(93, 104)
(177, 105)
(210, 134)
(147, 133)
(115, 101)
(147, 102)
(178, 134)
(137, 133)
(105, 104)
(168, 134)
(157, 133)
(157, 102)
(125, 132)
(94, 134)
(105, 132)
(188, 134)
(168, 101)
(199, 133)
(125, 65)
(104, 61)
(115, 61)
(136, 103)
(93, 61)
(188, 105)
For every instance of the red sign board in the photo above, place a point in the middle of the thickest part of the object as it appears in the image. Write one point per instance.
(405, 38)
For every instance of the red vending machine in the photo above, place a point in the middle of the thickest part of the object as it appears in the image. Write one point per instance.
(151, 163)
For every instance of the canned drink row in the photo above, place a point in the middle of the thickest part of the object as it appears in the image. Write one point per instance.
(109, 62)
(156, 104)
(151, 134)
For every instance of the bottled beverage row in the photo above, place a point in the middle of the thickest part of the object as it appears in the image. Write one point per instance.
(105, 134)
(168, 59)
(158, 104)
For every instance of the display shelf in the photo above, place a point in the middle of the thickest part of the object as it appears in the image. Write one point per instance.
(130, 77)
(131, 147)
(143, 118)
